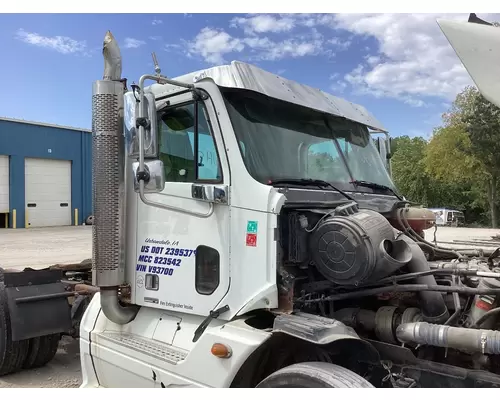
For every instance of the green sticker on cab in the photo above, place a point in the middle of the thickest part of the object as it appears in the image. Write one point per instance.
(252, 227)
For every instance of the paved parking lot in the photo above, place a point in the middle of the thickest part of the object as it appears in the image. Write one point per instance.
(42, 247)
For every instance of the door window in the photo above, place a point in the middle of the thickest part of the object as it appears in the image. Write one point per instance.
(177, 145)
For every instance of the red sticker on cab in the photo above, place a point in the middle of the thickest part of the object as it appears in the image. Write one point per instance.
(251, 239)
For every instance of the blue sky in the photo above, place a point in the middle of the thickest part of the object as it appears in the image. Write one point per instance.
(399, 66)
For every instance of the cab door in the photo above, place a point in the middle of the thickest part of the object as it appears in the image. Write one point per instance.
(183, 251)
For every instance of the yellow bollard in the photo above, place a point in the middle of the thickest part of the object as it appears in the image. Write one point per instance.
(26, 220)
(76, 216)
(14, 219)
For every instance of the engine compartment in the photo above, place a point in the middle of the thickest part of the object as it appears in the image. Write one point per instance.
(378, 275)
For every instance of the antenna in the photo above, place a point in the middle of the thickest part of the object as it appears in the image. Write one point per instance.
(155, 62)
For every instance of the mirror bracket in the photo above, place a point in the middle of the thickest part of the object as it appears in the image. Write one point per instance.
(199, 94)
(142, 121)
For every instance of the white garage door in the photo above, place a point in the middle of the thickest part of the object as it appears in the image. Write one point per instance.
(48, 192)
(4, 184)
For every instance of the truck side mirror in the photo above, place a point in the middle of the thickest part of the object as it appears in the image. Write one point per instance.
(155, 172)
(150, 124)
(153, 167)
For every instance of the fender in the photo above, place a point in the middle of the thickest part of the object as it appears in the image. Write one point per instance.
(322, 331)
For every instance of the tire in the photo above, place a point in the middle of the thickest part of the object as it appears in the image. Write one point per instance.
(12, 354)
(41, 351)
(314, 375)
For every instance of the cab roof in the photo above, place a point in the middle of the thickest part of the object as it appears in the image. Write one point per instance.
(240, 75)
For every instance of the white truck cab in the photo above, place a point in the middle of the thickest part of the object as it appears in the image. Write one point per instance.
(237, 217)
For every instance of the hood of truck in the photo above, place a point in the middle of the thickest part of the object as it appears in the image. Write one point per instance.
(239, 75)
(478, 47)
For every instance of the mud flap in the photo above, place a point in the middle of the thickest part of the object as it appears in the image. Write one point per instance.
(38, 303)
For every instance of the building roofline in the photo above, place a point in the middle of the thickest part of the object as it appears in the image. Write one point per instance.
(22, 121)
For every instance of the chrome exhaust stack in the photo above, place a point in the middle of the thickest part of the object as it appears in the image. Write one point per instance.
(108, 185)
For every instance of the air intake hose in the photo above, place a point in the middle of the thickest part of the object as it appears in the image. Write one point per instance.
(432, 304)
(465, 339)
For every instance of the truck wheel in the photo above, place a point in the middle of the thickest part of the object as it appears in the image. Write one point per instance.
(41, 351)
(314, 375)
(12, 354)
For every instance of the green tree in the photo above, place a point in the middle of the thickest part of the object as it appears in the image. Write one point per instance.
(460, 106)
(471, 133)
(448, 155)
(408, 168)
(431, 187)
(482, 122)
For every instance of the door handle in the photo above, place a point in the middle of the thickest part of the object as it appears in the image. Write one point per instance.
(210, 193)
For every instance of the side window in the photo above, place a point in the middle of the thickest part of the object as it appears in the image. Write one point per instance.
(207, 270)
(177, 145)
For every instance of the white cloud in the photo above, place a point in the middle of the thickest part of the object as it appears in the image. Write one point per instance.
(339, 43)
(156, 22)
(213, 44)
(61, 44)
(372, 60)
(263, 23)
(409, 60)
(131, 43)
(173, 46)
(414, 102)
(266, 49)
(414, 59)
(338, 86)
(290, 48)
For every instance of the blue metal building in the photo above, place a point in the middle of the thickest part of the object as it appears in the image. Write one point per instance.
(45, 174)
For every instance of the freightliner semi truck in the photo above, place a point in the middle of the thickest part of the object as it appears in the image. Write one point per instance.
(247, 233)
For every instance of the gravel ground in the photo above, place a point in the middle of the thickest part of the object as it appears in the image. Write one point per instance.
(62, 372)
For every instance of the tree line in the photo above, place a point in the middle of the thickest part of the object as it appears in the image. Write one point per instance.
(459, 166)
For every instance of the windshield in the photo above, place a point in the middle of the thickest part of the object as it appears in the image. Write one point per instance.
(280, 140)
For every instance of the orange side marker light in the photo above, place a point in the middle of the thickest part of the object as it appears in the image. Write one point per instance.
(221, 350)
